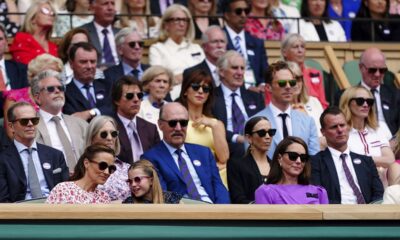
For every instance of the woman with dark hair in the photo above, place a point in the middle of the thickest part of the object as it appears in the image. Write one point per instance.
(94, 167)
(289, 178)
(380, 29)
(316, 25)
(203, 13)
(246, 174)
(203, 129)
(145, 185)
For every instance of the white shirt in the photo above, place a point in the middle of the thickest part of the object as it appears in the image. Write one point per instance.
(214, 73)
(38, 167)
(4, 73)
(278, 119)
(111, 40)
(346, 192)
(193, 173)
(228, 104)
(52, 129)
(367, 142)
(232, 35)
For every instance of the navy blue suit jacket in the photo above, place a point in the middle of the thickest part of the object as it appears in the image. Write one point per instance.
(256, 54)
(76, 102)
(171, 178)
(114, 73)
(13, 182)
(155, 6)
(324, 174)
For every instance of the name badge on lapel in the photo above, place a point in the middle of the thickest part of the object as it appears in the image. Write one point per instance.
(197, 163)
(249, 77)
(196, 56)
(250, 52)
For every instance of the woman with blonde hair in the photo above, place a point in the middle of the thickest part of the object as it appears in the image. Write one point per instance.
(175, 49)
(145, 185)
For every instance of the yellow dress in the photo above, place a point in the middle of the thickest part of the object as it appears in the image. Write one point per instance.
(202, 135)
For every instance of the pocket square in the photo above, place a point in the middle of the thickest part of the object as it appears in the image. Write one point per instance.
(57, 170)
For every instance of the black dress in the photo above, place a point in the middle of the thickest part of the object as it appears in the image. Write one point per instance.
(11, 27)
(198, 32)
(378, 31)
(169, 198)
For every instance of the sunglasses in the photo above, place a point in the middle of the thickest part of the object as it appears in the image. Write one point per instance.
(262, 132)
(46, 11)
(360, 101)
(133, 44)
(293, 156)
(130, 96)
(178, 20)
(103, 166)
(25, 121)
(104, 134)
(239, 11)
(283, 83)
(136, 180)
(373, 70)
(196, 87)
(173, 123)
(51, 89)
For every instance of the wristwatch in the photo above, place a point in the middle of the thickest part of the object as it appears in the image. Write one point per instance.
(92, 113)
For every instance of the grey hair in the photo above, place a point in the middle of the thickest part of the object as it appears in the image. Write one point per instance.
(204, 36)
(223, 61)
(288, 41)
(35, 89)
(121, 35)
(94, 128)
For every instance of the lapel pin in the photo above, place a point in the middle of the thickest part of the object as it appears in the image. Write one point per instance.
(386, 107)
(46, 165)
(99, 96)
(197, 163)
(252, 106)
(357, 161)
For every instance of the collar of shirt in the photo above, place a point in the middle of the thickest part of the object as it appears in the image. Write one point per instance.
(276, 111)
(336, 154)
(211, 66)
(47, 116)
(227, 92)
(21, 147)
(128, 69)
(126, 121)
(79, 84)
(367, 87)
(173, 46)
(172, 149)
(232, 34)
(356, 131)
(100, 28)
(3, 64)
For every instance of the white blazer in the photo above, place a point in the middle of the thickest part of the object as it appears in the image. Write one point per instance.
(334, 31)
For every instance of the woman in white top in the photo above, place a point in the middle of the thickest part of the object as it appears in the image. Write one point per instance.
(65, 23)
(175, 48)
(317, 26)
(357, 104)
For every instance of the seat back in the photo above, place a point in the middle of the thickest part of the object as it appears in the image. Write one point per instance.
(352, 72)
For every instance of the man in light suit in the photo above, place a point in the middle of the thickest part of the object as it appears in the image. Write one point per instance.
(188, 169)
(130, 49)
(28, 169)
(136, 135)
(85, 96)
(348, 178)
(233, 114)
(235, 14)
(280, 83)
(101, 31)
(48, 92)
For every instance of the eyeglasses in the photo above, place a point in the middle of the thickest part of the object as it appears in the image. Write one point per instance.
(25, 121)
(283, 83)
(46, 11)
(293, 156)
(136, 179)
(103, 166)
(178, 20)
(130, 96)
(51, 89)
(196, 87)
(373, 70)
(173, 123)
(239, 11)
(104, 134)
(360, 101)
(262, 132)
(133, 44)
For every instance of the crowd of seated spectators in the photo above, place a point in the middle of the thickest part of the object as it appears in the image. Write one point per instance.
(209, 119)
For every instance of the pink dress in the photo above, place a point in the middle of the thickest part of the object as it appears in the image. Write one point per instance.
(268, 32)
(69, 192)
(20, 95)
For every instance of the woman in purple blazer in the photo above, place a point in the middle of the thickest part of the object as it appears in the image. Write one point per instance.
(289, 178)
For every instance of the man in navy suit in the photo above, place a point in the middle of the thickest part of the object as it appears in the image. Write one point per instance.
(252, 49)
(86, 97)
(188, 169)
(231, 68)
(348, 178)
(130, 49)
(158, 7)
(28, 169)
(136, 135)
(101, 31)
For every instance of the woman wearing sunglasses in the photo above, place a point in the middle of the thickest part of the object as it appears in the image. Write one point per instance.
(246, 174)
(103, 131)
(34, 36)
(93, 168)
(289, 178)
(203, 129)
(366, 137)
(145, 185)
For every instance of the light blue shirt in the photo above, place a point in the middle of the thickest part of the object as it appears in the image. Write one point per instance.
(128, 70)
(80, 85)
(21, 148)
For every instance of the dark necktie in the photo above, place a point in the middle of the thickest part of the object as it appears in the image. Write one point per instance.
(67, 146)
(187, 177)
(33, 180)
(135, 73)
(373, 91)
(237, 116)
(350, 180)
(89, 96)
(107, 52)
(135, 142)
(284, 126)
